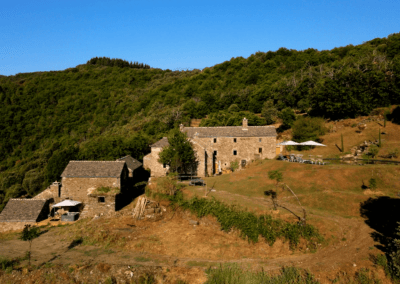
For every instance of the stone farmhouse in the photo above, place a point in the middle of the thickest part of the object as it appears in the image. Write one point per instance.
(217, 147)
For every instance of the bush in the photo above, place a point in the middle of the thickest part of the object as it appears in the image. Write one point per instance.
(393, 153)
(249, 225)
(372, 183)
(373, 151)
(288, 118)
(308, 128)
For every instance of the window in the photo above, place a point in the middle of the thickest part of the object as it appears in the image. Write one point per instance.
(234, 152)
(259, 140)
(215, 140)
(234, 140)
(101, 199)
(164, 166)
(260, 150)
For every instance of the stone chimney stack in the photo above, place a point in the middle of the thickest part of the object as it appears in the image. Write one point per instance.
(181, 127)
(245, 124)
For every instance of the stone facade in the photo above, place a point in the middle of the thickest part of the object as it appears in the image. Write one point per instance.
(216, 157)
(81, 178)
(79, 188)
(217, 147)
(150, 161)
(101, 204)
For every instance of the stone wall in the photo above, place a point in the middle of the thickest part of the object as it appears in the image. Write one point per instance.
(150, 161)
(94, 207)
(14, 226)
(78, 188)
(247, 148)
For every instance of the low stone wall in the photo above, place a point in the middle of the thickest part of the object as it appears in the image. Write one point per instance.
(13, 226)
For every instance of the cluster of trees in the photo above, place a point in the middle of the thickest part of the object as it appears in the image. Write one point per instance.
(107, 61)
(46, 114)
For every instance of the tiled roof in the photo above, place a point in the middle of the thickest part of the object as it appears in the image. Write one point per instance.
(22, 210)
(161, 143)
(93, 169)
(132, 163)
(230, 131)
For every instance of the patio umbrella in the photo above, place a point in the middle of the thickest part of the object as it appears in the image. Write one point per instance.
(288, 143)
(311, 143)
(66, 203)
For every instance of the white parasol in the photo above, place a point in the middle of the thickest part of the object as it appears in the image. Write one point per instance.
(311, 143)
(288, 143)
(66, 203)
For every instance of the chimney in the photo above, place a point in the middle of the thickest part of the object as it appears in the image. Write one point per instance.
(245, 124)
(181, 127)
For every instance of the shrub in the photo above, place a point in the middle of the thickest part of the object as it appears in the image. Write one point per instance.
(373, 151)
(372, 183)
(288, 118)
(308, 128)
(234, 165)
(250, 226)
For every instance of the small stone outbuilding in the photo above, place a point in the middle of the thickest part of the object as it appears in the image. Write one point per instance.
(19, 212)
(80, 178)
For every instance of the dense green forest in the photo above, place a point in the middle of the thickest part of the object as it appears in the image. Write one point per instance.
(108, 108)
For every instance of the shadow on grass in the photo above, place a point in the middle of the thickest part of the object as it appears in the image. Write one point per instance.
(382, 215)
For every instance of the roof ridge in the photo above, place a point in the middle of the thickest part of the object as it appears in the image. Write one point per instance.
(99, 161)
(30, 199)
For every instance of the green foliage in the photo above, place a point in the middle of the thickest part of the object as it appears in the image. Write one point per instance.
(234, 165)
(99, 108)
(269, 112)
(372, 183)
(249, 225)
(373, 151)
(107, 189)
(308, 128)
(179, 155)
(225, 118)
(288, 118)
(275, 175)
(28, 234)
(234, 274)
(106, 61)
(341, 139)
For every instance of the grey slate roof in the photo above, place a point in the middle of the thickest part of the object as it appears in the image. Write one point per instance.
(22, 210)
(94, 169)
(161, 143)
(132, 163)
(230, 131)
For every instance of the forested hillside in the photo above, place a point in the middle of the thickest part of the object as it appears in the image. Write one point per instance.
(108, 108)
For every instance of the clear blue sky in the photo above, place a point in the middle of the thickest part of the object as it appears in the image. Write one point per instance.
(58, 34)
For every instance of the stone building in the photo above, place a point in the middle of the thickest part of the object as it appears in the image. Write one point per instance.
(150, 161)
(80, 178)
(217, 147)
(19, 212)
(132, 164)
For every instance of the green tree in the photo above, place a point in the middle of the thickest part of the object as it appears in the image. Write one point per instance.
(28, 234)
(288, 118)
(269, 112)
(179, 155)
(308, 128)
